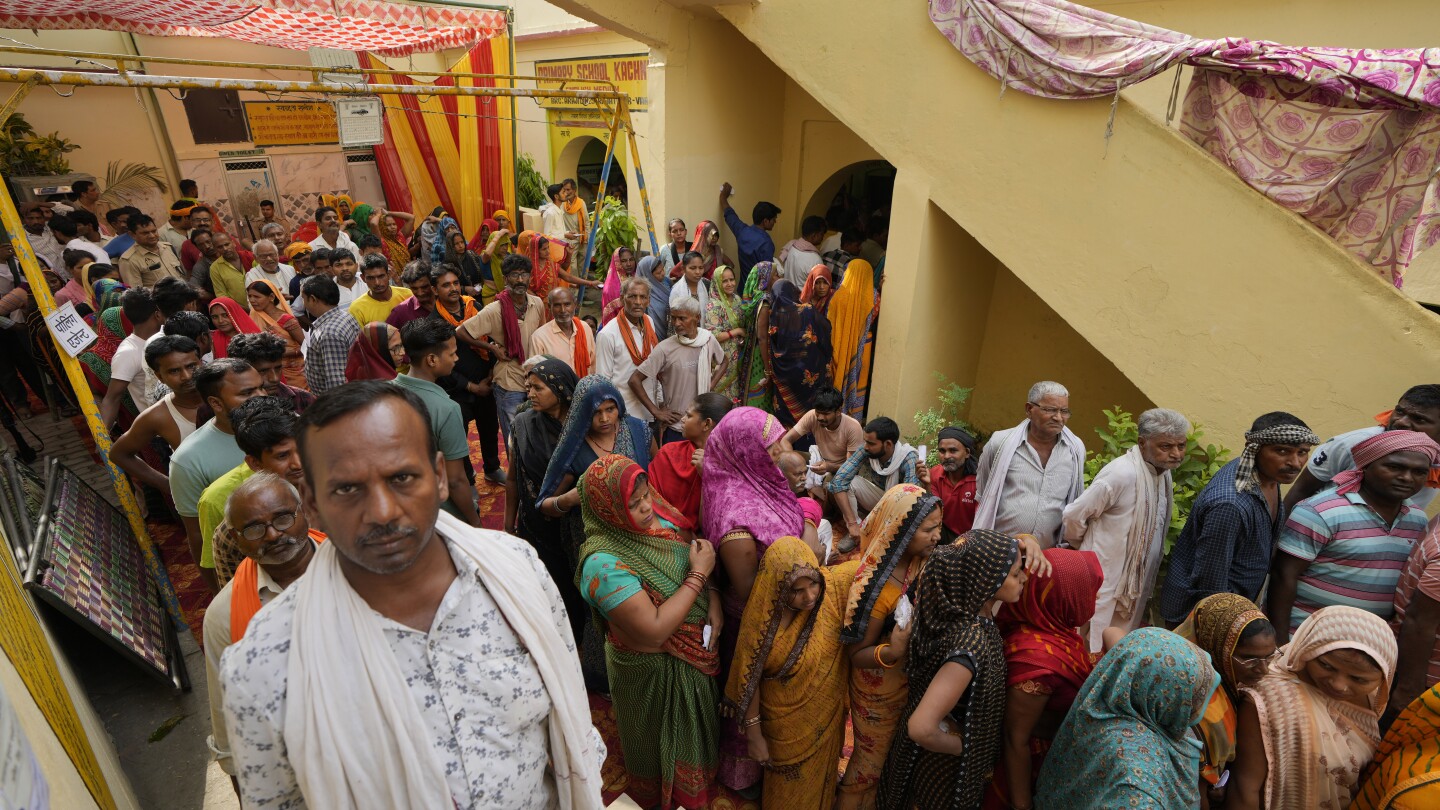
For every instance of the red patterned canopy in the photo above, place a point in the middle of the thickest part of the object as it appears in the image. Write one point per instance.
(392, 29)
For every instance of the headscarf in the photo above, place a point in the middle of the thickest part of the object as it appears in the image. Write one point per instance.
(852, 305)
(1407, 766)
(1040, 629)
(503, 214)
(87, 287)
(698, 244)
(730, 304)
(488, 227)
(659, 556)
(295, 250)
(361, 214)
(369, 357)
(544, 268)
(953, 588)
(1292, 433)
(263, 320)
(442, 239)
(111, 329)
(972, 459)
(807, 295)
(1311, 740)
(659, 309)
(1126, 741)
(535, 435)
(814, 661)
(741, 487)
(800, 350)
(631, 439)
(1215, 625)
(108, 292)
(243, 325)
(1379, 446)
(614, 281)
(674, 475)
(886, 534)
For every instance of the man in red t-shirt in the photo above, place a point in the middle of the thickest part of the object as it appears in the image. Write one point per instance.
(953, 480)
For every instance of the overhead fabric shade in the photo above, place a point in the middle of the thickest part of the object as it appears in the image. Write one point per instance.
(457, 152)
(391, 29)
(1347, 138)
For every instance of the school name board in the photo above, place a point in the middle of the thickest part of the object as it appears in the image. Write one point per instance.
(295, 123)
(627, 73)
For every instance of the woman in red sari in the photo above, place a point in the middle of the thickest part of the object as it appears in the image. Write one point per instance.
(1048, 661)
(375, 354)
(675, 470)
(230, 319)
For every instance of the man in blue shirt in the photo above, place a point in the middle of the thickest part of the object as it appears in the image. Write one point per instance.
(753, 240)
(1229, 538)
(119, 221)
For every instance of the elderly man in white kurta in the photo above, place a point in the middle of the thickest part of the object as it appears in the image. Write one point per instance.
(1123, 517)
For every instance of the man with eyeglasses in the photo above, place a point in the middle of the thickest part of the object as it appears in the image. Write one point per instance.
(1028, 474)
(265, 431)
(265, 521)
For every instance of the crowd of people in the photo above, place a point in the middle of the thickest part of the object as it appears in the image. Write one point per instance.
(705, 529)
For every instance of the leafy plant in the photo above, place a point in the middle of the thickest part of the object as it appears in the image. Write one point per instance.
(616, 229)
(25, 152)
(1201, 463)
(529, 183)
(952, 399)
(124, 181)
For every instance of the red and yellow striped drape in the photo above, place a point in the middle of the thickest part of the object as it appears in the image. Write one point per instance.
(457, 152)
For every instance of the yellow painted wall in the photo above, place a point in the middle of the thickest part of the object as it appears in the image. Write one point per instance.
(1159, 258)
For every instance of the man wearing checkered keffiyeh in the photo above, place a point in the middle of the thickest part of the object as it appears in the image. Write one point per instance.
(1230, 535)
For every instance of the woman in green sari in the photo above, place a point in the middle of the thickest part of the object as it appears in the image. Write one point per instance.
(755, 311)
(723, 319)
(647, 583)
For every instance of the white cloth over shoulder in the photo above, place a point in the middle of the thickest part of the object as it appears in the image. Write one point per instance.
(345, 680)
(990, 481)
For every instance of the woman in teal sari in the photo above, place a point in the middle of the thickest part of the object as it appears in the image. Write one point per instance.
(1127, 740)
(755, 385)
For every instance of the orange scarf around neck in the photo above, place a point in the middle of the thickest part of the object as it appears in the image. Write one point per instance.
(245, 593)
(638, 355)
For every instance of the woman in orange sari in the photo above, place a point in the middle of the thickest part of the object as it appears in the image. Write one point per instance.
(790, 676)
(271, 315)
(548, 259)
(1407, 766)
(900, 533)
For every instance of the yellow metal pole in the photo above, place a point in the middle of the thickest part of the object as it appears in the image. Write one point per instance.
(639, 174)
(40, 293)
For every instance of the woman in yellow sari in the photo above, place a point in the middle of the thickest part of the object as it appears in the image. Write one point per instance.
(1407, 766)
(899, 535)
(853, 307)
(790, 676)
(270, 312)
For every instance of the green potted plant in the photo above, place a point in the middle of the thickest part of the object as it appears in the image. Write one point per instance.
(616, 229)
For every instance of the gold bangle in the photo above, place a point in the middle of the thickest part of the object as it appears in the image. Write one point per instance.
(881, 661)
(752, 722)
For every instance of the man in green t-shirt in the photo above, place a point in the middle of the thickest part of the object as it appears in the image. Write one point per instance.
(265, 431)
(430, 345)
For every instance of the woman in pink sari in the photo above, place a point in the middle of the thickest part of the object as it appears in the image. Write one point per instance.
(622, 267)
(745, 505)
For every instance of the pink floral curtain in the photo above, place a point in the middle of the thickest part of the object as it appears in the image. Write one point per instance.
(1348, 139)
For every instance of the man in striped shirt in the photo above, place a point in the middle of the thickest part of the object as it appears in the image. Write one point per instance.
(1347, 544)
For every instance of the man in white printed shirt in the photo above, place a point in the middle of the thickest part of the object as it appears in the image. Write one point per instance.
(379, 678)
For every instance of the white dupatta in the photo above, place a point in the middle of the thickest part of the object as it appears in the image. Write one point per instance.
(356, 739)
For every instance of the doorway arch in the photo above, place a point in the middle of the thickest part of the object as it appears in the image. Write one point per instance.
(870, 184)
(582, 159)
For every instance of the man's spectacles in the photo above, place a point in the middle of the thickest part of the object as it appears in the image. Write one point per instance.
(1267, 660)
(1048, 411)
(255, 532)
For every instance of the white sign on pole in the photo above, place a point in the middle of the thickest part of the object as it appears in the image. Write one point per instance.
(69, 329)
(362, 121)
